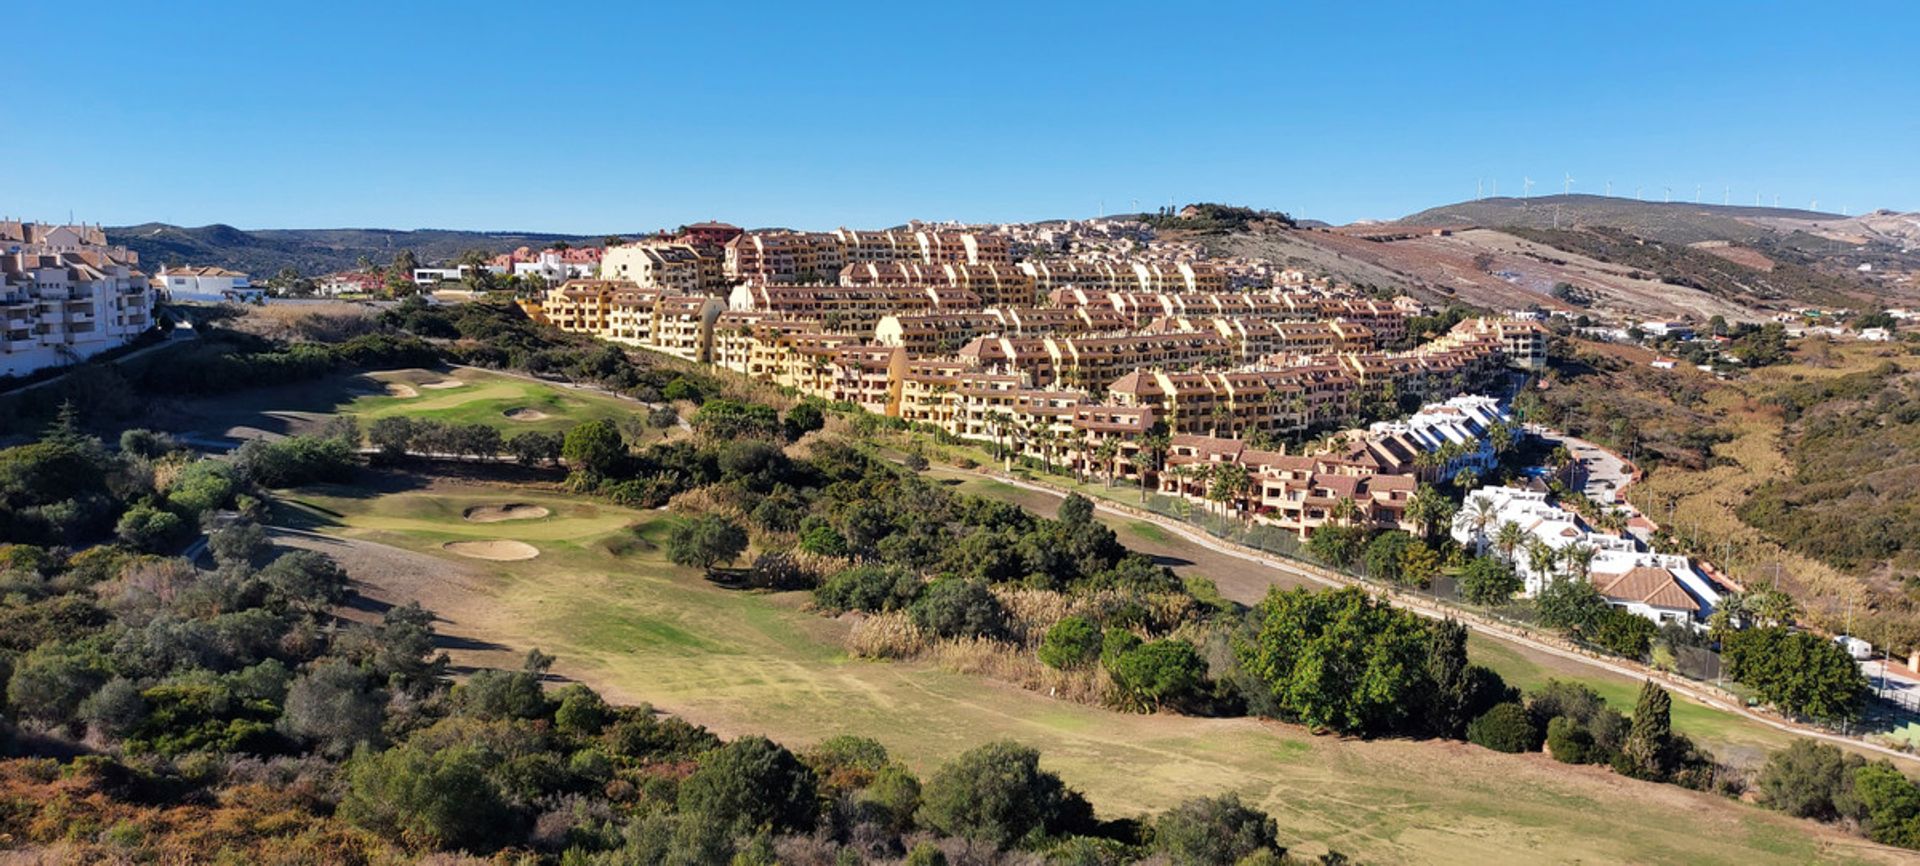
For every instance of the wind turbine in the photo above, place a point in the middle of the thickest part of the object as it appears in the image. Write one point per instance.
(1696, 193)
(1609, 189)
(1567, 189)
(1479, 188)
(1726, 195)
(1636, 193)
(1526, 186)
(1496, 187)
(1669, 195)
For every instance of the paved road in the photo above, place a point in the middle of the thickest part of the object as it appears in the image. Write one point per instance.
(1605, 473)
(1487, 628)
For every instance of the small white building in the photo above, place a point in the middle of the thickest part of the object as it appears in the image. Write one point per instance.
(208, 285)
(1466, 420)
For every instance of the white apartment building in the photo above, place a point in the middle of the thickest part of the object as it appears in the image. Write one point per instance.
(65, 296)
(1661, 587)
(1466, 420)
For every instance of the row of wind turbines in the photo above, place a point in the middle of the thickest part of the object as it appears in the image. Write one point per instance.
(1566, 188)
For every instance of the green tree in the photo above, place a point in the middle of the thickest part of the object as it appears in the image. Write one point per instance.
(1505, 728)
(749, 784)
(1207, 830)
(1488, 581)
(953, 607)
(1159, 673)
(1072, 642)
(706, 541)
(1649, 747)
(1808, 779)
(595, 448)
(997, 794)
(1891, 803)
(1801, 674)
(437, 799)
(335, 705)
(1339, 660)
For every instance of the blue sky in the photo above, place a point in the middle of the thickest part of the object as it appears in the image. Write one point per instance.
(584, 117)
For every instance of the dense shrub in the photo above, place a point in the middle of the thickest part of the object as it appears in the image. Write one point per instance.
(1208, 830)
(998, 794)
(1505, 728)
(951, 607)
(1072, 642)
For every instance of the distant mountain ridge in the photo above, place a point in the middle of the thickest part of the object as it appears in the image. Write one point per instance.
(315, 251)
(1676, 222)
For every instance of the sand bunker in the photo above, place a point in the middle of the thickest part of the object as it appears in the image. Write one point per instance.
(497, 513)
(398, 389)
(443, 384)
(498, 550)
(525, 414)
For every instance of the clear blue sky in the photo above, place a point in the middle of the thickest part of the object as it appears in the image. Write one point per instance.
(584, 117)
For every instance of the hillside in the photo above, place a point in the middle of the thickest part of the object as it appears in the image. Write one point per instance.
(312, 251)
(1675, 222)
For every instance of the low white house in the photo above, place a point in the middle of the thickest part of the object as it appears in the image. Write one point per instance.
(1661, 587)
(210, 285)
(555, 268)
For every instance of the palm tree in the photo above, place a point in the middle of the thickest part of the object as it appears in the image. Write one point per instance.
(1508, 539)
(1541, 558)
(1578, 559)
(1344, 511)
(1466, 479)
(1154, 444)
(1108, 453)
(1428, 508)
(1562, 461)
(1502, 438)
(1480, 515)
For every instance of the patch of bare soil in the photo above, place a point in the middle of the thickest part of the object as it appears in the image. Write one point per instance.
(525, 414)
(498, 513)
(401, 389)
(495, 550)
(388, 575)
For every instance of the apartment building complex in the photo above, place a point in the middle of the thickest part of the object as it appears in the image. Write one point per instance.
(66, 295)
(678, 267)
(789, 257)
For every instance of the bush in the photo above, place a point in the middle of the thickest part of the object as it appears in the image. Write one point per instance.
(149, 528)
(951, 607)
(997, 794)
(752, 783)
(1072, 642)
(1209, 830)
(1568, 742)
(1811, 780)
(582, 712)
(294, 461)
(869, 588)
(1487, 580)
(1160, 672)
(1622, 633)
(435, 799)
(1505, 728)
(706, 541)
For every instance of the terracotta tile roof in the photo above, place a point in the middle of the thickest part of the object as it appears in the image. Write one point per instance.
(1655, 587)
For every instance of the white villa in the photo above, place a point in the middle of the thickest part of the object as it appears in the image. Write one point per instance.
(213, 285)
(1661, 587)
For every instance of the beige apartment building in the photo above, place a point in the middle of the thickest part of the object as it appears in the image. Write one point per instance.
(676, 267)
(66, 295)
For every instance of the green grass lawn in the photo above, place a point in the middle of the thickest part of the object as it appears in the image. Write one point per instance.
(602, 597)
(486, 398)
